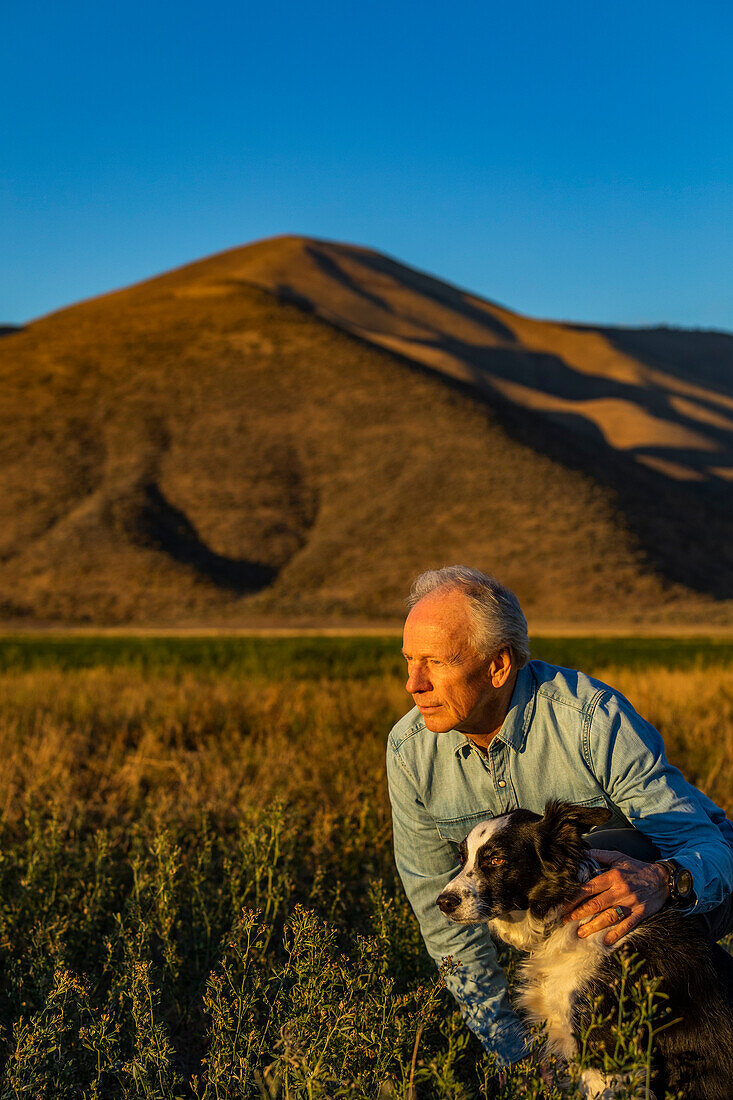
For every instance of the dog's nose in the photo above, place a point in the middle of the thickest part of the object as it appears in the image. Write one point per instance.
(448, 902)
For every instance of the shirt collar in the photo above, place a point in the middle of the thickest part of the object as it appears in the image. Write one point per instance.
(515, 726)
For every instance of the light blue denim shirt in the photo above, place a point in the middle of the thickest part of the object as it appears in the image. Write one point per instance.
(565, 736)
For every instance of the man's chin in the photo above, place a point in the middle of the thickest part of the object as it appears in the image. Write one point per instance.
(436, 720)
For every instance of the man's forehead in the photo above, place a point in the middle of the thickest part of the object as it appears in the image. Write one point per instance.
(442, 618)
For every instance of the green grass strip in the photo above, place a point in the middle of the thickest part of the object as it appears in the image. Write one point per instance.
(355, 657)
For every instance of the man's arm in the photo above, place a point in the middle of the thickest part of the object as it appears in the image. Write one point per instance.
(627, 756)
(426, 863)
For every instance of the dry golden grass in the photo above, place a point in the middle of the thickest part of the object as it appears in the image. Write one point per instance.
(693, 709)
(119, 745)
(148, 808)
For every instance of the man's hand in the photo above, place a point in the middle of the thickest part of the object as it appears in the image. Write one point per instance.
(639, 888)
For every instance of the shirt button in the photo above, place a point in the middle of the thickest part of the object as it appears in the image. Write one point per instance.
(502, 783)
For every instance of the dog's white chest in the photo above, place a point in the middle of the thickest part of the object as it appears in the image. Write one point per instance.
(550, 977)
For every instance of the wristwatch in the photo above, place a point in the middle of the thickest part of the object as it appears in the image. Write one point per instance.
(679, 882)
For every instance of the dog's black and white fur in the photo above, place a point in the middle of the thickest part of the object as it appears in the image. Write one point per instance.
(518, 872)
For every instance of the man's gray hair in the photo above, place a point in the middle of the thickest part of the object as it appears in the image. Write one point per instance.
(498, 620)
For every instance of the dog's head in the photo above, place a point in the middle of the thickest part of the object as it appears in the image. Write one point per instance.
(520, 861)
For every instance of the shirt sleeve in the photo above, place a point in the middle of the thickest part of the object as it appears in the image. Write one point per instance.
(426, 863)
(628, 758)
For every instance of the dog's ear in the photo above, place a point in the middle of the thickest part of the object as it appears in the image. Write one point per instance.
(560, 849)
(561, 829)
(566, 818)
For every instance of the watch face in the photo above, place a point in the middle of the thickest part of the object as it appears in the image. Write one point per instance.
(684, 883)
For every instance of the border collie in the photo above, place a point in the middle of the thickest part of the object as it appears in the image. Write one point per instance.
(518, 872)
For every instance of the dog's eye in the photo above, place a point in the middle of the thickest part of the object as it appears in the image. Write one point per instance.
(496, 861)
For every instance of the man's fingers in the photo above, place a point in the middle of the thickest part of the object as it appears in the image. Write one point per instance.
(617, 899)
(607, 919)
(593, 887)
(603, 898)
(589, 908)
(606, 855)
(623, 927)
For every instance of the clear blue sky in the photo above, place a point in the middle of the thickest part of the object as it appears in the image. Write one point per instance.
(571, 160)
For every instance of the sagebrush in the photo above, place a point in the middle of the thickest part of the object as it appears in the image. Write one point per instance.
(197, 893)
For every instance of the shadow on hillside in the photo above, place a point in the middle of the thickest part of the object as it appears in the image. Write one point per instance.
(442, 294)
(167, 528)
(334, 271)
(550, 376)
(705, 356)
(683, 530)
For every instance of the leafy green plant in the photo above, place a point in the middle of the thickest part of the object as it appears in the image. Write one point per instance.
(197, 889)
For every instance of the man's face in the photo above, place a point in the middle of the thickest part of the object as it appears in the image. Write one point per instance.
(449, 681)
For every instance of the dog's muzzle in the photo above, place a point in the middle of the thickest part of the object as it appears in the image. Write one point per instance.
(448, 902)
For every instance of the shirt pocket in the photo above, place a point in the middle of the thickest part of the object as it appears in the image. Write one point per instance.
(457, 829)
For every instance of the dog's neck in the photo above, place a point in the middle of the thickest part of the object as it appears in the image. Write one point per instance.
(524, 930)
(589, 868)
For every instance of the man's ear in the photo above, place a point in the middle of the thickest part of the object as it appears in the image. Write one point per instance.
(501, 667)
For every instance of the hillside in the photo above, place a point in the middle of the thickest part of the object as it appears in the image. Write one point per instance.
(288, 431)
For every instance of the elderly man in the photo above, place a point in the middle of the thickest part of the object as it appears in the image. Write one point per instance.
(492, 731)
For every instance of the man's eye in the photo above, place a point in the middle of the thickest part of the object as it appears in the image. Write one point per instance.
(435, 661)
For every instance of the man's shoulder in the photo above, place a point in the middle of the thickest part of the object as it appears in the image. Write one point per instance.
(567, 687)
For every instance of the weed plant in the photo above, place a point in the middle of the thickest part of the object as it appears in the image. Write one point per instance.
(197, 893)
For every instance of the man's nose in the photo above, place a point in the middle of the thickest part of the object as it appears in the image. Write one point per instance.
(417, 680)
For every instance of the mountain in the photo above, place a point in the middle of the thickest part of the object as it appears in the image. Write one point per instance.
(287, 432)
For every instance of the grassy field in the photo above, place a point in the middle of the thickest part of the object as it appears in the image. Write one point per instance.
(197, 896)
